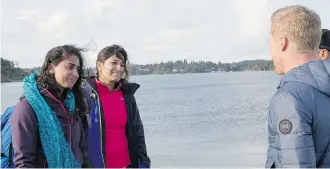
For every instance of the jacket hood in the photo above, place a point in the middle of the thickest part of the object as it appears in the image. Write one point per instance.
(313, 73)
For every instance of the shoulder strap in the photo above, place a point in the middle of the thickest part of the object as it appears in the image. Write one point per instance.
(10, 155)
(6, 140)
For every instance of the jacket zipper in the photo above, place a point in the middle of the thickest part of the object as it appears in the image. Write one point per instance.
(66, 113)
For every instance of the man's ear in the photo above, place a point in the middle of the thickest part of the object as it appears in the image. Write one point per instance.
(284, 43)
(325, 54)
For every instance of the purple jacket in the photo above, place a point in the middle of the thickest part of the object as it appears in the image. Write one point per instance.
(28, 152)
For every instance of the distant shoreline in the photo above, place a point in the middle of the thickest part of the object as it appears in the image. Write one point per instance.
(12, 73)
(14, 81)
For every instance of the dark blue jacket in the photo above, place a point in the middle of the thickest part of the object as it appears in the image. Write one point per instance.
(134, 128)
(299, 118)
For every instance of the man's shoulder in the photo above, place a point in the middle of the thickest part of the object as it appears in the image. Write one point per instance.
(297, 90)
(283, 94)
(294, 96)
(293, 91)
(295, 87)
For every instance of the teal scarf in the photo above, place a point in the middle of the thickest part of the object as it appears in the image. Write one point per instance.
(54, 144)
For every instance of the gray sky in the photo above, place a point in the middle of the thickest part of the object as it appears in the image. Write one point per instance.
(150, 30)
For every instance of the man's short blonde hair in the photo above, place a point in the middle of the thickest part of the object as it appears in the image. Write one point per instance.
(300, 25)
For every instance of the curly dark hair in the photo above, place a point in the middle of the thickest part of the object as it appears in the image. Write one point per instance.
(46, 80)
(113, 50)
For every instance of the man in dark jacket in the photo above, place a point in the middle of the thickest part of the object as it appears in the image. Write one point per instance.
(325, 44)
(298, 115)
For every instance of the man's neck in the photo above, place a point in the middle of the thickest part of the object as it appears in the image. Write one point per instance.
(299, 58)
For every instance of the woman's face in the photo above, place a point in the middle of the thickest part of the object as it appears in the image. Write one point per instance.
(66, 72)
(112, 69)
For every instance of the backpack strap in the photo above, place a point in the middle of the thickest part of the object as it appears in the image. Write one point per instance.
(2, 150)
(10, 155)
(6, 139)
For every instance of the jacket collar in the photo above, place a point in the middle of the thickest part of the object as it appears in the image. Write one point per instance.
(126, 88)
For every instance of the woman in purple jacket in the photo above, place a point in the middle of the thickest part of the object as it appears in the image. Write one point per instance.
(47, 129)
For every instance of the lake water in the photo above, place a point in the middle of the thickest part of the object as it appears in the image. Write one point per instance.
(199, 120)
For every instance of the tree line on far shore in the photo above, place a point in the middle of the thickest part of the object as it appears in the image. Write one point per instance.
(11, 72)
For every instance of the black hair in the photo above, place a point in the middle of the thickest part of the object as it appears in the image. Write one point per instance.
(325, 39)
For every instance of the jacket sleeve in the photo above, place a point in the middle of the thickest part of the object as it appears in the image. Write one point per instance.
(24, 128)
(83, 148)
(290, 133)
(138, 132)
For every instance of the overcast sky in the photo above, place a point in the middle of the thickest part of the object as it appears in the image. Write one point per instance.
(150, 30)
